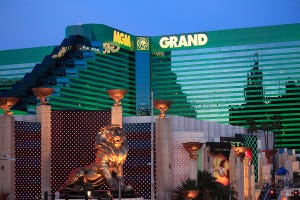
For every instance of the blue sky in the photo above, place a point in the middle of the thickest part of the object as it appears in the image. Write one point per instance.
(33, 23)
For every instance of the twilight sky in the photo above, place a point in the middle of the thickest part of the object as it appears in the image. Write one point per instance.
(33, 23)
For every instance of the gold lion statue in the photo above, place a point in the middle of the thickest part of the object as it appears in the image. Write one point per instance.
(111, 149)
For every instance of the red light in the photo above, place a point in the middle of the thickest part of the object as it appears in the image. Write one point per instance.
(296, 192)
(272, 193)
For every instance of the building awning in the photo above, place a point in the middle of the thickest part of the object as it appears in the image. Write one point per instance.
(282, 171)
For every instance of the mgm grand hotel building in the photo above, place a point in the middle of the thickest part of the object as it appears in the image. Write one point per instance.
(247, 77)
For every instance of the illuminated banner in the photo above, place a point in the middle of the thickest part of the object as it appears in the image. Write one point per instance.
(234, 141)
(219, 153)
(197, 39)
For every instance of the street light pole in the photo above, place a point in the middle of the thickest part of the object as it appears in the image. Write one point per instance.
(119, 190)
(152, 149)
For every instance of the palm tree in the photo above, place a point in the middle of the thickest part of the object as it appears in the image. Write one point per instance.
(188, 189)
(277, 125)
(211, 190)
(265, 127)
(251, 126)
(207, 184)
(227, 193)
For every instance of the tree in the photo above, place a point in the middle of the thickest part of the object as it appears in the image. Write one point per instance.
(209, 188)
(188, 189)
(207, 184)
(228, 193)
(251, 126)
(277, 125)
(265, 127)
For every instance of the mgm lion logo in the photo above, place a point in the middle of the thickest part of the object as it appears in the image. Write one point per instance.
(111, 150)
(142, 43)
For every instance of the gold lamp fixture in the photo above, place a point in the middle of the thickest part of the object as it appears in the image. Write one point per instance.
(162, 106)
(42, 93)
(192, 148)
(6, 103)
(269, 154)
(240, 151)
(117, 95)
(189, 194)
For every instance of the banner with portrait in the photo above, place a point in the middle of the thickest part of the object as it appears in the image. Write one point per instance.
(219, 153)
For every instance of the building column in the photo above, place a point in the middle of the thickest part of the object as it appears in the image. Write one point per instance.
(252, 183)
(193, 169)
(117, 115)
(7, 150)
(240, 179)
(249, 179)
(236, 170)
(201, 159)
(43, 115)
(163, 131)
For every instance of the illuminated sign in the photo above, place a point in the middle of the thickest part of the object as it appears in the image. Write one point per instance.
(93, 49)
(8, 81)
(142, 43)
(157, 53)
(62, 52)
(121, 38)
(110, 48)
(197, 39)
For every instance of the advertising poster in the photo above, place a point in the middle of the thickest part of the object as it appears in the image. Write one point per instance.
(220, 159)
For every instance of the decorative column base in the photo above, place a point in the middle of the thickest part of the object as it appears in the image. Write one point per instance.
(43, 115)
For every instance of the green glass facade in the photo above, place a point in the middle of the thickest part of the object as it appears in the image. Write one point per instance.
(15, 63)
(109, 63)
(242, 77)
(237, 77)
(87, 90)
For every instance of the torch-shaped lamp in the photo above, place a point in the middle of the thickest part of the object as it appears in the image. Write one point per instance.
(42, 93)
(6, 103)
(162, 106)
